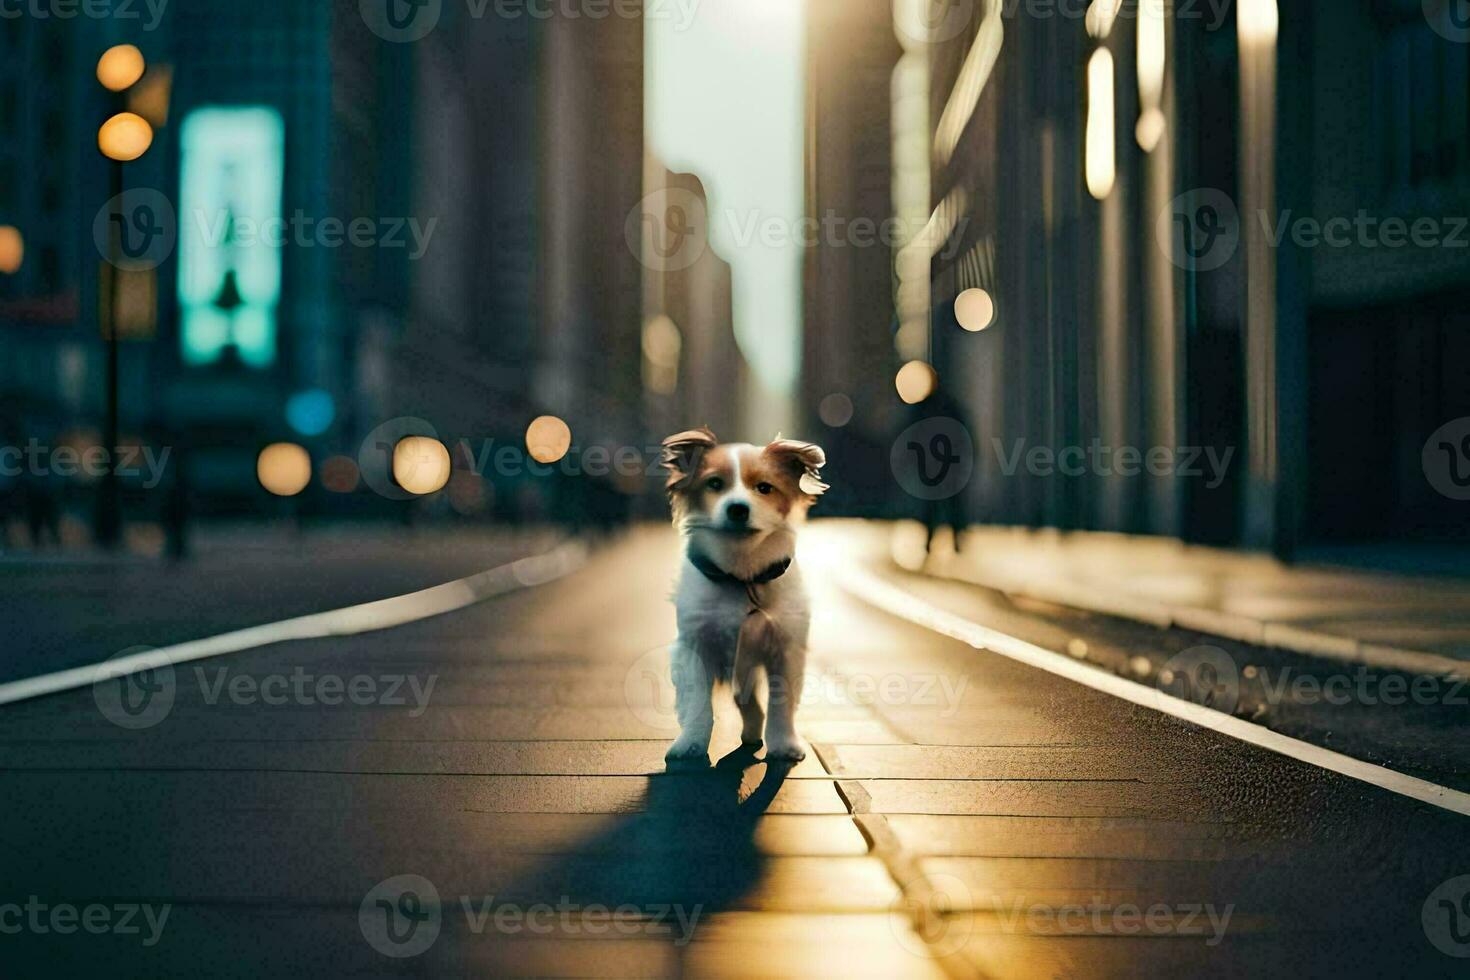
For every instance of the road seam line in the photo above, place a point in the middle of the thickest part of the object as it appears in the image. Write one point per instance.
(365, 617)
(883, 595)
(916, 892)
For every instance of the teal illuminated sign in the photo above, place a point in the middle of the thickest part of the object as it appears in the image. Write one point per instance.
(231, 164)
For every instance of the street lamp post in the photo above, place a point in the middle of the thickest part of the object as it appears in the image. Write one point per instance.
(124, 136)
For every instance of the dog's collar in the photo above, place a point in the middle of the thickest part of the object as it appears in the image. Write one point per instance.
(716, 574)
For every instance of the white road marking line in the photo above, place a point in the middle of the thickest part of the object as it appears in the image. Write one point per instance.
(365, 618)
(891, 599)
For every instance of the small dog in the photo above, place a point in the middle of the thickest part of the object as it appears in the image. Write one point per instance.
(741, 607)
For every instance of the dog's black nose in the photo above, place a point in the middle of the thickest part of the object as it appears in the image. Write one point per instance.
(738, 513)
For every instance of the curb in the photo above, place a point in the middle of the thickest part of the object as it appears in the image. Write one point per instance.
(1280, 636)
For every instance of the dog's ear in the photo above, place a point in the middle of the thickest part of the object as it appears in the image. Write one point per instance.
(682, 453)
(805, 459)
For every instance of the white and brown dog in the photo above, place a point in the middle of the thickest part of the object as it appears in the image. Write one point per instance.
(741, 607)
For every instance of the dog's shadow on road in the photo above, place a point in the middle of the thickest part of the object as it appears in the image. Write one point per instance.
(690, 853)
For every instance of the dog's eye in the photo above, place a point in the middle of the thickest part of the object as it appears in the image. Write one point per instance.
(764, 487)
(715, 483)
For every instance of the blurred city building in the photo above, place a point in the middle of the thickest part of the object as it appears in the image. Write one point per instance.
(1055, 146)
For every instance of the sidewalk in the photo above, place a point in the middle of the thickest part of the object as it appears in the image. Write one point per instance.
(1418, 624)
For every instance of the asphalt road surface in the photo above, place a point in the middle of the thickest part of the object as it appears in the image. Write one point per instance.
(484, 793)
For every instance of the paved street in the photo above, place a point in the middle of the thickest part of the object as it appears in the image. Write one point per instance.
(484, 793)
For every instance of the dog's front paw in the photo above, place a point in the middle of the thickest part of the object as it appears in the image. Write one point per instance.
(685, 749)
(786, 749)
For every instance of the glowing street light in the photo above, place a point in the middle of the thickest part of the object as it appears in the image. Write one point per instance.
(120, 67)
(12, 249)
(126, 136)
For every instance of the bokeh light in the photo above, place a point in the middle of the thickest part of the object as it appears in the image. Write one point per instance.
(916, 381)
(548, 438)
(467, 493)
(421, 465)
(1150, 129)
(311, 412)
(974, 309)
(1257, 21)
(340, 474)
(120, 66)
(126, 136)
(835, 410)
(12, 249)
(283, 468)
